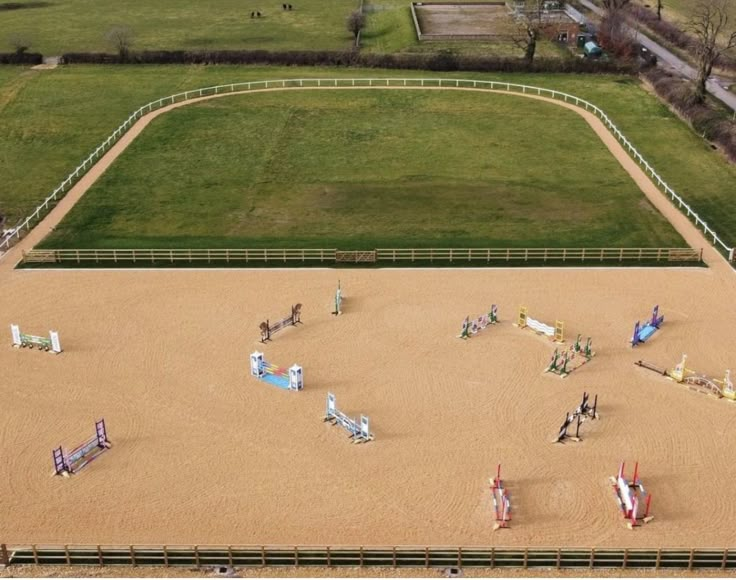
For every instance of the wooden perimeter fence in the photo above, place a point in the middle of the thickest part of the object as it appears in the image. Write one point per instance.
(457, 256)
(391, 557)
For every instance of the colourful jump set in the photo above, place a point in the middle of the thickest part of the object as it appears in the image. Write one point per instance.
(644, 332)
(701, 383)
(291, 379)
(583, 412)
(21, 340)
(635, 502)
(67, 463)
(358, 431)
(472, 327)
(501, 501)
(268, 329)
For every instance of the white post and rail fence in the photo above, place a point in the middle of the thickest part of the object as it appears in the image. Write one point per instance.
(42, 210)
(207, 556)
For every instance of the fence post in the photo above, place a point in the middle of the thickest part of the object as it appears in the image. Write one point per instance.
(100, 559)
(132, 557)
(6, 560)
(690, 561)
(66, 554)
(196, 557)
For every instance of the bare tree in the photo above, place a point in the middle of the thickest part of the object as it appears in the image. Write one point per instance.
(356, 23)
(613, 31)
(709, 25)
(529, 24)
(121, 39)
(19, 42)
(615, 5)
(660, 5)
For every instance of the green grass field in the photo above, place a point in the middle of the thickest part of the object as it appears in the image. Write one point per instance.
(58, 26)
(364, 170)
(50, 124)
(226, 24)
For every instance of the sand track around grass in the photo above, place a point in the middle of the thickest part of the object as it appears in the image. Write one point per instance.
(680, 222)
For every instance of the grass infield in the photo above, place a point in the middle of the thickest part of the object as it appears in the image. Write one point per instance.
(50, 123)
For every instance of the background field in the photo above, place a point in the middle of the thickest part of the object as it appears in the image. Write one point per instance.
(181, 24)
(390, 28)
(52, 124)
(364, 170)
(226, 24)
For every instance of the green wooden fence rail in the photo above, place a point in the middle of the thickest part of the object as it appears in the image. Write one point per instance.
(362, 556)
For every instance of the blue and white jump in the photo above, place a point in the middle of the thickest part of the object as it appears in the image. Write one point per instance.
(291, 379)
(643, 333)
(359, 431)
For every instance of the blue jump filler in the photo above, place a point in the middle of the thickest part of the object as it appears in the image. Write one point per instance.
(643, 333)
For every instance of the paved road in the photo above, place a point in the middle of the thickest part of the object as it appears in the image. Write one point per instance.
(673, 61)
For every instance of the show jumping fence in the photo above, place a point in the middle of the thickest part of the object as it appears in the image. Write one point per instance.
(421, 255)
(388, 557)
(43, 209)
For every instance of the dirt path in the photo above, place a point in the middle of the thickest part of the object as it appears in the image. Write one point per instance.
(687, 229)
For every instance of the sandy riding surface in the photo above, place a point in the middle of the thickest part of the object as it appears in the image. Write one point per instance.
(205, 454)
